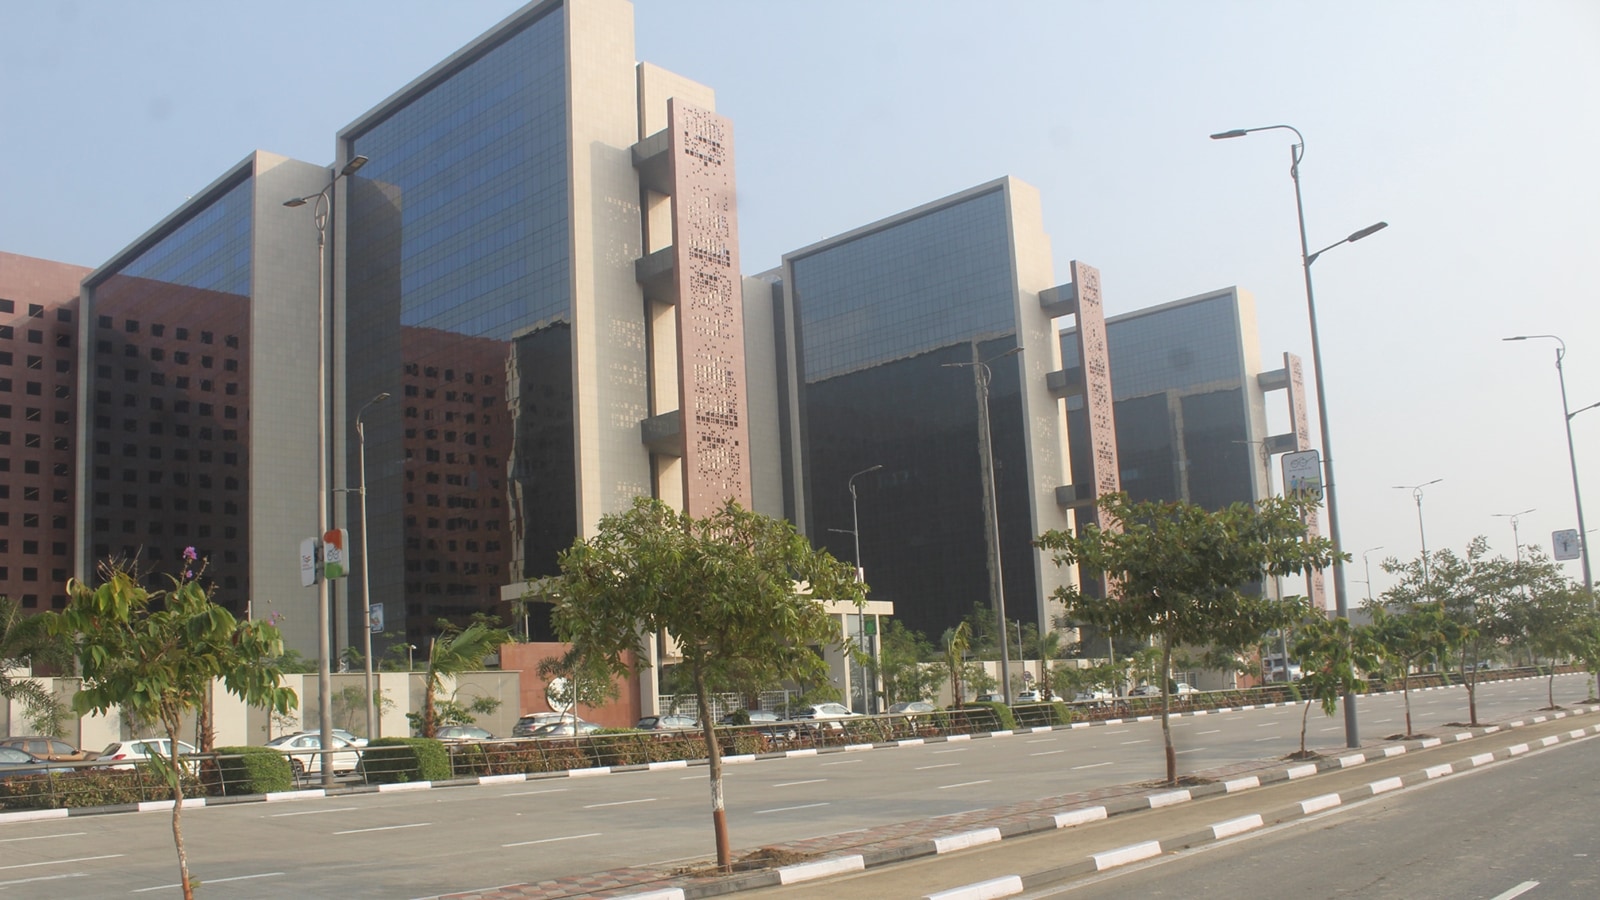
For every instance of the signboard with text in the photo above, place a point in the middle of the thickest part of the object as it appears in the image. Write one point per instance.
(1566, 544)
(1302, 474)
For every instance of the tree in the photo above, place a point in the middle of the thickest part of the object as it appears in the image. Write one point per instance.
(1049, 649)
(742, 594)
(1553, 622)
(1475, 590)
(956, 641)
(156, 655)
(1333, 654)
(1182, 574)
(455, 651)
(1411, 638)
(577, 678)
(901, 654)
(27, 640)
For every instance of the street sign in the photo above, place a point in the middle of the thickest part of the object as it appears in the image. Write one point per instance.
(308, 562)
(333, 554)
(1302, 474)
(375, 618)
(1566, 544)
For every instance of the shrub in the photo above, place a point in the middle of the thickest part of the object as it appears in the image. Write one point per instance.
(395, 759)
(253, 770)
(85, 787)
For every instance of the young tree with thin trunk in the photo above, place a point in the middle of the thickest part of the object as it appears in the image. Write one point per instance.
(156, 654)
(1333, 655)
(743, 596)
(1412, 638)
(454, 652)
(1182, 574)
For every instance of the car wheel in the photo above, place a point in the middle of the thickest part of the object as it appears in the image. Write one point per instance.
(298, 767)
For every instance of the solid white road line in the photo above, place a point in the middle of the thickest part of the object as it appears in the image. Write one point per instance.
(943, 787)
(313, 812)
(168, 887)
(43, 837)
(42, 878)
(762, 812)
(620, 803)
(1517, 891)
(793, 783)
(1092, 765)
(60, 862)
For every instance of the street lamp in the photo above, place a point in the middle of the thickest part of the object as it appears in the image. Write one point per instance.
(982, 374)
(868, 697)
(1416, 492)
(1352, 729)
(1368, 564)
(320, 212)
(1516, 536)
(366, 583)
(1572, 455)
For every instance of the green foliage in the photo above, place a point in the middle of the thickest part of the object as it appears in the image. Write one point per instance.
(901, 653)
(156, 654)
(293, 662)
(741, 593)
(348, 712)
(1005, 719)
(956, 641)
(1180, 574)
(1333, 655)
(391, 760)
(586, 679)
(85, 788)
(455, 651)
(253, 770)
(28, 640)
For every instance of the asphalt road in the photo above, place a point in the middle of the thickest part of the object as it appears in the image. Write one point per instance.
(411, 844)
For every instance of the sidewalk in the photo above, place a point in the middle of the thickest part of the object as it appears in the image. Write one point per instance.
(863, 849)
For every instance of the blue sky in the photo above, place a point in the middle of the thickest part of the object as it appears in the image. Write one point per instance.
(1470, 127)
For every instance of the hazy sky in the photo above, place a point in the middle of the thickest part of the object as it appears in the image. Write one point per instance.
(1472, 128)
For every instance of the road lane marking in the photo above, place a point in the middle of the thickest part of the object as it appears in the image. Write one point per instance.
(43, 878)
(762, 812)
(532, 793)
(1214, 731)
(963, 784)
(1047, 752)
(807, 781)
(1517, 891)
(956, 750)
(1139, 741)
(1093, 765)
(43, 837)
(60, 862)
(939, 766)
(1271, 738)
(313, 812)
(385, 828)
(620, 803)
(1049, 740)
(846, 762)
(168, 887)
(570, 837)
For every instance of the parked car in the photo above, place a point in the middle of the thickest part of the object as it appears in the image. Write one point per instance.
(666, 723)
(20, 762)
(304, 756)
(914, 706)
(1029, 697)
(130, 752)
(1145, 690)
(48, 748)
(347, 737)
(462, 733)
(565, 728)
(1181, 688)
(1094, 697)
(530, 722)
(771, 724)
(829, 713)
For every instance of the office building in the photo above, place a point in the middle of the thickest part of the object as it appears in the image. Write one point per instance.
(38, 416)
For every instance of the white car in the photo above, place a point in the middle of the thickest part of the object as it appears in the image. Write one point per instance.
(1028, 697)
(304, 756)
(1183, 687)
(140, 749)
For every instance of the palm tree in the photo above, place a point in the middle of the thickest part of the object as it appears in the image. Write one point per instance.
(956, 641)
(452, 653)
(1049, 649)
(25, 639)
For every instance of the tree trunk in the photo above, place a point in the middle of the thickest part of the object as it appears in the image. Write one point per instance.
(1303, 717)
(719, 816)
(175, 779)
(1166, 708)
(1405, 691)
(1552, 685)
(428, 728)
(1469, 678)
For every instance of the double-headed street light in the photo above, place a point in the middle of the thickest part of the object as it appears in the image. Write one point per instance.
(983, 375)
(1516, 536)
(1416, 493)
(323, 204)
(1352, 729)
(1572, 455)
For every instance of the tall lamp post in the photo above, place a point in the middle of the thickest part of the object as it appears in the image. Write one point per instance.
(1572, 455)
(982, 374)
(1352, 729)
(323, 205)
(1516, 535)
(1422, 533)
(366, 583)
(868, 698)
(1367, 563)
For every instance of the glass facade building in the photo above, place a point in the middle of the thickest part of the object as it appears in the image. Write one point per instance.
(459, 304)
(889, 324)
(1190, 415)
